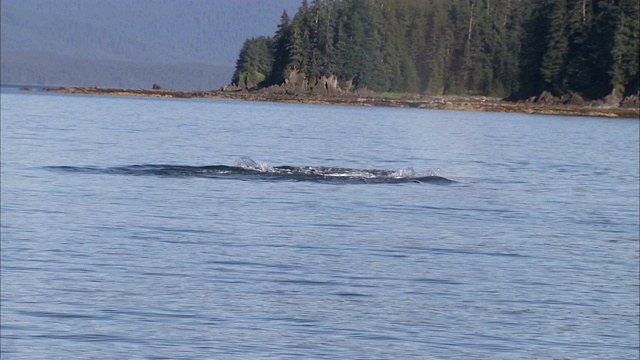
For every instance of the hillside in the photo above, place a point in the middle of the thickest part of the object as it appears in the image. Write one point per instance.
(115, 42)
(53, 70)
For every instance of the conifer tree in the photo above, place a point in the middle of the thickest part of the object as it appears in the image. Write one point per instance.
(299, 42)
(439, 47)
(625, 49)
(280, 51)
(557, 47)
(322, 38)
(254, 63)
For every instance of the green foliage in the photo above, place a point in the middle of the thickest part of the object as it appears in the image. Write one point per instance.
(281, 51)
(254, 63)
(480, 47)
(589, 47)
(557, 47)
(626, 51)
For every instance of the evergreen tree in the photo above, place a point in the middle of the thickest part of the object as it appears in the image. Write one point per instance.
(600, 49)
(625, 50)
(322, 37)
(412, 49)
(577, 63)
(534, 49)
(557, 47)
(511, 31)
(281, 54)
(254, 63)
(352, 44)
(300, 41)
(439, 45)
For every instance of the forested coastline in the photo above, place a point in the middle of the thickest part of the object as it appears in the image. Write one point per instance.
(500, 48)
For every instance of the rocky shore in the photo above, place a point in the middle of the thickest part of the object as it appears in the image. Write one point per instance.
(543, 104)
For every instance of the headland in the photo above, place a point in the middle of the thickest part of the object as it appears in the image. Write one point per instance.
(543, 104)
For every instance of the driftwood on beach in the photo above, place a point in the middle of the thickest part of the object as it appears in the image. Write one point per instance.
(467, 103)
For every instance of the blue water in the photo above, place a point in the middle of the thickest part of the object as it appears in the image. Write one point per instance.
(191, 229)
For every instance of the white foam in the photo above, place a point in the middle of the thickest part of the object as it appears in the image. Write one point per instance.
(246, 162)
(403, 173)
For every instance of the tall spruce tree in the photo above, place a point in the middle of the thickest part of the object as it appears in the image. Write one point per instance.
(322, 39)
(439, 45)
(557, 47)
(625, 51)
(300, 41)
(281, 53)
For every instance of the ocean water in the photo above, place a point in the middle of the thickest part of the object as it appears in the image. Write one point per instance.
(144, 228)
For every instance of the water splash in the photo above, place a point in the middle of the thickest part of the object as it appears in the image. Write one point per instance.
(404, 173)
(246, 162)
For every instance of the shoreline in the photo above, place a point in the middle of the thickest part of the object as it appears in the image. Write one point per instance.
(463, 103)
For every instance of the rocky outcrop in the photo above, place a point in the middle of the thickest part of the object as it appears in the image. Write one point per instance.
(296, 81)
(231, 88)
(347, 85)
(631, 101)
(574, 99)
(545, 98)
(326, 85)
(610, 101)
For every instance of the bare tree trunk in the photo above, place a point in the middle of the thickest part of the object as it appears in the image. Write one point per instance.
(473, 4)
(506, 13)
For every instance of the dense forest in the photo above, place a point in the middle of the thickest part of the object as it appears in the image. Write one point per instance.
(476, 47)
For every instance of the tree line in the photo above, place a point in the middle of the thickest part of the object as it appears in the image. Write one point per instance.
(516, 48)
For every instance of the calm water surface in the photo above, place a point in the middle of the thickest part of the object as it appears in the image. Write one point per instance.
(191, 229)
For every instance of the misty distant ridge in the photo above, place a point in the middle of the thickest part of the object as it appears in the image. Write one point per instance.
(53, 70)
(179, 44)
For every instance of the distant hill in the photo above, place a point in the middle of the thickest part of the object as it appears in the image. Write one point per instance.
(53, 70)
(182, 44)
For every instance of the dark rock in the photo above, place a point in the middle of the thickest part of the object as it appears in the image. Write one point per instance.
(230, 88)
(347, 85)
(631, 101)
(546, 98)
(275, 90)
(296, 81)
(612, 100)
(326, 85)
(596, 103)
(156, 87)
(574, 99)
